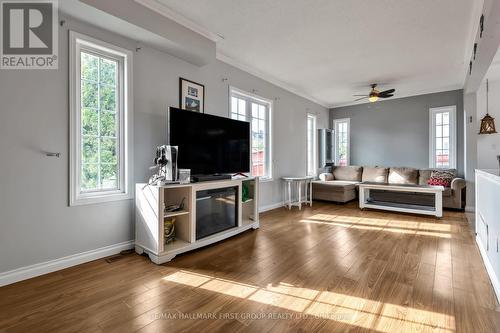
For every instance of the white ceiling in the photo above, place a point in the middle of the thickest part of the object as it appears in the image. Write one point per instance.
(493, 73)
(328, 50)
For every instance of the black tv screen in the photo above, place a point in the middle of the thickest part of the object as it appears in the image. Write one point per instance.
(209, 144)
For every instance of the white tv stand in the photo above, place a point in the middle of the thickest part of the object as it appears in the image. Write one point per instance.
(150, 202)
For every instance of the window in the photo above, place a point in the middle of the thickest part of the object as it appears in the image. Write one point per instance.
(100, 115)
(342, 140)
(312, 147)
(443, 137)
(256, 110)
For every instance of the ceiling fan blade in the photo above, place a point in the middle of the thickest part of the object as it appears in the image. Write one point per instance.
(360, 98)
(387, 92)
(385, 96)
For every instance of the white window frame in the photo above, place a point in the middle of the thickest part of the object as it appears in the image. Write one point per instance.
(336, 122)
(452, 109)
(249, 97)
(77, 43)
(314, 139)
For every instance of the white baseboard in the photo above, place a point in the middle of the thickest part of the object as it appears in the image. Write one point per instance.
(28, 272)
(270, 207)
(491, 272)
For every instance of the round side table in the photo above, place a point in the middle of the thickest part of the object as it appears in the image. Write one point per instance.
(297, 183)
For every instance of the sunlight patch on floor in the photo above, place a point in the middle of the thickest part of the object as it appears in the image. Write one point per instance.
(325, 217)
(361, 312)
(394, 226)
(289, 289)
(190, 279)
(229, 288)
(280, 300)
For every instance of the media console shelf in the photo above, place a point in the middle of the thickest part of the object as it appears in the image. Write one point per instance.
(150, 203)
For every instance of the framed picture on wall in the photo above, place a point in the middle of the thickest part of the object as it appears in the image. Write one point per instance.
(191, 95)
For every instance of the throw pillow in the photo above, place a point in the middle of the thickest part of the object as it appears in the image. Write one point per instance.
(351, 173)
(403, 175)
(375, 174)
(441, 178)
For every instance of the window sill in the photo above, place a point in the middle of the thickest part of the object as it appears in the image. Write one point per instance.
(99, 198)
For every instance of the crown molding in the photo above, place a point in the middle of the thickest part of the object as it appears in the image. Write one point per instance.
(165, 11)
(266, 77)
(473, 37)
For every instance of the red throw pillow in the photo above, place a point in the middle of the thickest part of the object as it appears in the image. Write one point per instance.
(441, 178)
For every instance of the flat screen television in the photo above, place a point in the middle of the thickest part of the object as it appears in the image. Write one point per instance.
(209, 144)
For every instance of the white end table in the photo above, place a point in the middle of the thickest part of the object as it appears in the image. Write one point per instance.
(298, 183)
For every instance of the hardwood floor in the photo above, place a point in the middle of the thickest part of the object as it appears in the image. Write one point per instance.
(331, 268)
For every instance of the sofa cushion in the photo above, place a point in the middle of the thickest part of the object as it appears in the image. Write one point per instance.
(403, 176)
(326, 176)
(336, 185)
(425, 174)
(375, 174)
(350, 173)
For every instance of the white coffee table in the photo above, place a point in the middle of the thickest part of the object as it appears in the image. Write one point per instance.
(298, 183)
(366, 202)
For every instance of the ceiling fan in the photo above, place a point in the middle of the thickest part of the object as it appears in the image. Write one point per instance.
(374, 94)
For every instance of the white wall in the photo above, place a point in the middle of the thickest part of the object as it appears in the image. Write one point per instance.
(36, 224)
(488, 146)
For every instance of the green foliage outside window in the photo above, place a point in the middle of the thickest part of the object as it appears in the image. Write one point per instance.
(99, 123)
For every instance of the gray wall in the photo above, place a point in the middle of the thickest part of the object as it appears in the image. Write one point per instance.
(470, 138)
(396, 132)
(36, 224)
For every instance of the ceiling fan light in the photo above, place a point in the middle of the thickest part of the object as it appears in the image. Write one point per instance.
(373, 98)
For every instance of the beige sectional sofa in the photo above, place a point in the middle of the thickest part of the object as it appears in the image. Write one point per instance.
(341, 185)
